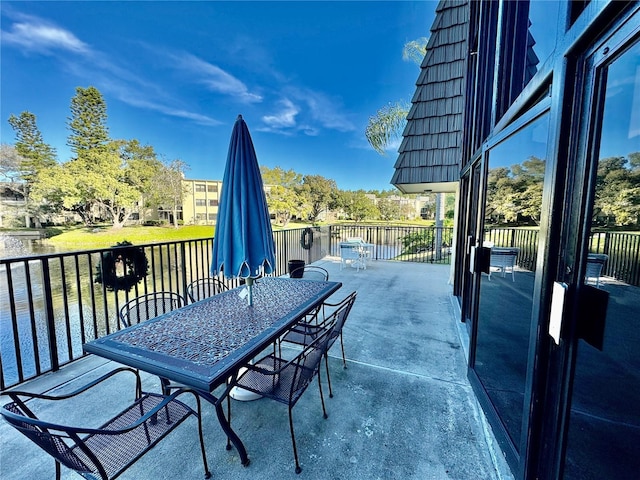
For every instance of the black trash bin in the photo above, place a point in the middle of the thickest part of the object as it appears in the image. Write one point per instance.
(298, 267)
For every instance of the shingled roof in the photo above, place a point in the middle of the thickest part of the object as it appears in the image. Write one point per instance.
(430, 152)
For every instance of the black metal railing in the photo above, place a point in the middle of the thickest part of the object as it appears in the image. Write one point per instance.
(623, 250)
(403, 243)
(51, 304)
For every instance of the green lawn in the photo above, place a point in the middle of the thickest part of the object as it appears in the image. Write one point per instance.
(92, 237)
(84, 238)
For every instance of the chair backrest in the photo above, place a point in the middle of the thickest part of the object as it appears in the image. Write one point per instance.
(595, 264)
(56, 440)
(310, 272)
(504, 257)
(349, 251)
(339, 317)
(204, 288)
(307, 364)
(148, 306)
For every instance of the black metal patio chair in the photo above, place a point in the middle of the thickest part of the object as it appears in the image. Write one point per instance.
(310, 272)
(285, 380)
(149, 306)
(107, 451)
(334, 317)
(146, 307)
(204, 288)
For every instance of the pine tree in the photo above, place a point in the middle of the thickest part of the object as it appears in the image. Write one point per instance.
(88, 122)
(36, 154)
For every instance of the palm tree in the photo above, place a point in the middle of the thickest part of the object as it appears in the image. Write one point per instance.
(389, 121)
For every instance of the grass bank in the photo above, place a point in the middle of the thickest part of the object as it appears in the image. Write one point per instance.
(87, 238)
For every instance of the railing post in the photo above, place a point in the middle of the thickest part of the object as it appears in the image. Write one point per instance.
(183, 254)
(50, 316)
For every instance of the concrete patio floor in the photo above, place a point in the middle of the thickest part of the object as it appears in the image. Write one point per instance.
(403, 409)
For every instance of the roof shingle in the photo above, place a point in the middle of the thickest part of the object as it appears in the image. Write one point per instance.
(431, 147)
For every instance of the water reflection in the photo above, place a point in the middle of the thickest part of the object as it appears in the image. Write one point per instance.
(82, 309)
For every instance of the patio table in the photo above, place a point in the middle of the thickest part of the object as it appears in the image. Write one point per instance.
(203, 344)
(356, 251)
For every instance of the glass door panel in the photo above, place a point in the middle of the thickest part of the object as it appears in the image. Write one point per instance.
(604, 423)
(515, 177)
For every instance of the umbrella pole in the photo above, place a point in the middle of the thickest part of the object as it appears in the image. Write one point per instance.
(250, 288)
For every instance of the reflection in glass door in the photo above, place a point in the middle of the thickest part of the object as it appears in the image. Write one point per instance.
(604, 423)
(512, 209)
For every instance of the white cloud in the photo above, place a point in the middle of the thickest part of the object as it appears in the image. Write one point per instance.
(308, 112)
(38, 35)
(285, 118)
(215, 78)
(324, 110)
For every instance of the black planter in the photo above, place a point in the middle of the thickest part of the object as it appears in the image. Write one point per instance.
(297, 267)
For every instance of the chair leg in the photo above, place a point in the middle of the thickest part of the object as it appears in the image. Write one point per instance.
(324, 410)
(326, 363)
(293, 440)
(344, 359)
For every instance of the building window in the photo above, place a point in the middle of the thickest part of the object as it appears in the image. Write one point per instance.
(212, 187)
(201, 202)
(201, 187)
(528, 36)
(212, 216)
(213, 203)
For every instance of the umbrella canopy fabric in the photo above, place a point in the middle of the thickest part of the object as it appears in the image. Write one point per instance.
(243, 242)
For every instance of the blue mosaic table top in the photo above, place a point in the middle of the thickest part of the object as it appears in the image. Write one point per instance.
(197, 338)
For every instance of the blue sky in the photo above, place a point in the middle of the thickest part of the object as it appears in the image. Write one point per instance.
(306, 76)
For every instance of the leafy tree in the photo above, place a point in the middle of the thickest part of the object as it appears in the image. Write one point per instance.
(12, 182)
(142, 166)
(389, 210)
(10, 175)
(319, 192)
(35, 153)
(100, 182)
(358, 206)
(515, 194)
(88, 121)
(618, 191)
(166, 188)
(278, 176)
(284, 202)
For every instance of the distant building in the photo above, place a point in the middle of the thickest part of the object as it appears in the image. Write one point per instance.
(199, 203)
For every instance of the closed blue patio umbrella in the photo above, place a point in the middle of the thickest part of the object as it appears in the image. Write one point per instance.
(243, 243)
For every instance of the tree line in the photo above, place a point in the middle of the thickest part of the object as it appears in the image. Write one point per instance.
(106, 178)
(293, 195)
(110, 179)
(514, 194)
